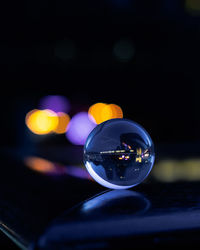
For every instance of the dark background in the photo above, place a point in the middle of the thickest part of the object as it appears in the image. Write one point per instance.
(157, 87)
(68, 48)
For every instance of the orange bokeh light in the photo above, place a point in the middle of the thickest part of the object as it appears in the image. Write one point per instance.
(41, 121)
(63, 122)
(116, 111)
(95, 111)
(101, 112)
(40, 165)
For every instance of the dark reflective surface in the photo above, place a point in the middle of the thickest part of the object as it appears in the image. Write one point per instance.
(123, 214)
(115, 203)
(65, 211)
(98, 213)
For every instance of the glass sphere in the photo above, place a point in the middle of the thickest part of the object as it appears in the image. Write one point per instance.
(119, 154)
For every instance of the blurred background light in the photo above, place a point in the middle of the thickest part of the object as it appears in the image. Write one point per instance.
(56, 103)
(41, 121)
(116, 111)
(78, 172)
(39, 164)
(124, 50)
(95, 112)
(177, 170)
(193, 6)
(63, 122)
(101, 112)
(79, 128)
(65, 50)
(46, 167)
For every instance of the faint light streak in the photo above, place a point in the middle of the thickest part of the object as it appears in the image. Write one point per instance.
(41, 121)
(79, 128)
(56, 103)
(47, 167)
(40, 165)
(63, 122)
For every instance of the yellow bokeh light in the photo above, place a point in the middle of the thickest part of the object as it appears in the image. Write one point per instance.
(101, 112)
(171, 170)
(193, 6)
(41, 121)
(63, 122)
(106, 113)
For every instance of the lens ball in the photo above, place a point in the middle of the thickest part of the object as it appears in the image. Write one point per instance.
(119, 154)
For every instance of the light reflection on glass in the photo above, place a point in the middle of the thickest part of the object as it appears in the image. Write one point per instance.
(106, 216)
(115, 201)
(40, 165)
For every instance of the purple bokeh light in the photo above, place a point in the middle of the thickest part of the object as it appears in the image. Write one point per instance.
(78, 172)
(79, 128)
(57, 103)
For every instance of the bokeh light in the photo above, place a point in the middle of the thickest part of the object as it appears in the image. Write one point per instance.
(95, 112)
(46, 167)
(78, 172)
(56, 103)
(63, 122)
(101, 112)
(116, 111)
(39, 164)
(41, 121)
(193, 7)
(171, 170)
(124, 50)
(79, 128)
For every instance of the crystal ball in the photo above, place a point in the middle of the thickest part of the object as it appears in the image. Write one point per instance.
(119, 154)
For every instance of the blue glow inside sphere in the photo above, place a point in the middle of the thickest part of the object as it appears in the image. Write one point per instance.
(119, 154)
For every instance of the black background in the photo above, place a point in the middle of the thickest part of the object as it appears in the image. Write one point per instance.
(158, 87)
